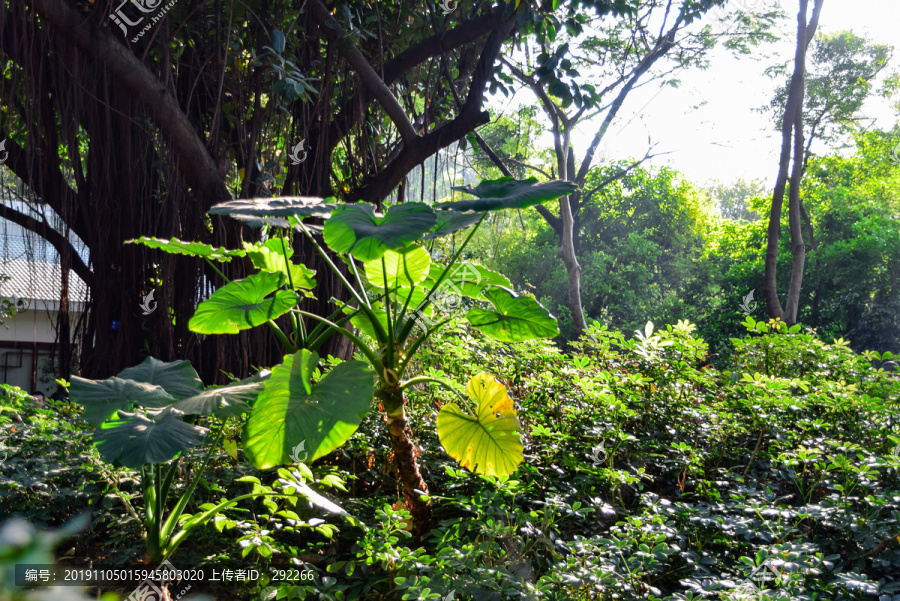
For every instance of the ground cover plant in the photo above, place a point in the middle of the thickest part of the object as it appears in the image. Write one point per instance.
(647, 474)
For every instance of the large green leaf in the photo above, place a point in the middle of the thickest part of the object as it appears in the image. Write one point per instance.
(509, 193)
(362, 321)
(449, 221)
(270, 257)
(178, 378)
(102, 398)
(488, 442)
(466, 279)
(135, 440)
(224, 402)
(357, 229)
(292, 413)
(402, 268)
(514, 318)
(279, 206)
(193, 249)
(242, 305)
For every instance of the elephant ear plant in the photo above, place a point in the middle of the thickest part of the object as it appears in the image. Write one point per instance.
(398, 297)
(143, 419)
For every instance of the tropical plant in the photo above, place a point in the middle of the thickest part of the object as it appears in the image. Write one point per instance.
(399, 298)
(139, 416)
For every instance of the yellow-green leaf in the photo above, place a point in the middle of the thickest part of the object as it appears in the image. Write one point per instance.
(488, 442)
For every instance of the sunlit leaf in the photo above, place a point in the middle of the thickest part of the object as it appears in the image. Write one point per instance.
(509, 193)
(357, 229)
(291, 412)
(402, 268)
(513, 318)
(270, 257)
(193, 249)
(488, 442)
(243, 304)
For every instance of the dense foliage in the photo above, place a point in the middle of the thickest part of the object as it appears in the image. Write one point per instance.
(647, 474)
(654, 246)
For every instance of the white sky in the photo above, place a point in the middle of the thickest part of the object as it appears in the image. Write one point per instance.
(726, 137)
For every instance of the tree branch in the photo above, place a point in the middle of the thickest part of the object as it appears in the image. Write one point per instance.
(367, 74)
(663, 45)
(470, 117)
(57, 240)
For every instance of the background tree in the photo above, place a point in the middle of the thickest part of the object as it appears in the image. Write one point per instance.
(587, 72)
(842, 70)
(791, 130)
(732, 199)
(641, 240)
(123, 132)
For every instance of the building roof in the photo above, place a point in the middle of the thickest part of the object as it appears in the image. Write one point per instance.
(38, 281)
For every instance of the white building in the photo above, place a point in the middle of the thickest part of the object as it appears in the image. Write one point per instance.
(29, 349)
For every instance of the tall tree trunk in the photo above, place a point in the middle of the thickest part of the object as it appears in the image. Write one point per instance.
(798, 248)
(793, 120)
(564, 164)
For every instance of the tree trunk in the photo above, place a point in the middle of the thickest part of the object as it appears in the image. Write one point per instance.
(405, 456)
(567, 244)
(798, 248)
(792, 121)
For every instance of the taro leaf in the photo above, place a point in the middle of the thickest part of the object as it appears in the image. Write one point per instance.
(224, 402)
(279, 206)
(508, 193)
(291, 412)
(177, 378)
(193, 249)
(270, 257)
(102, 398)
(487, 443)
(514, 318)
(402, 268)
(135, 440)
(449, 221)
(242, 305)
(255, 221)
(466, 279)
(260, 376)
(358, 230)
(361, 321)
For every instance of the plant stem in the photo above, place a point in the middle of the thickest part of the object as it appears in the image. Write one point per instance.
(753, 456)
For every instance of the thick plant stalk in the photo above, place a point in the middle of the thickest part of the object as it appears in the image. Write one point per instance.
(406, 457)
